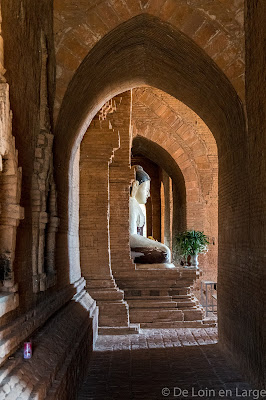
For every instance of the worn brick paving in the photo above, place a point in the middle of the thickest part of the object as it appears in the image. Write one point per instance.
(152, 364)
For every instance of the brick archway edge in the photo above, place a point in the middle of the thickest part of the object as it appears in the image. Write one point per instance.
(145, 50)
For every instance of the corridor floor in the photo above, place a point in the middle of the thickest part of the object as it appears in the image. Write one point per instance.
(162, 364)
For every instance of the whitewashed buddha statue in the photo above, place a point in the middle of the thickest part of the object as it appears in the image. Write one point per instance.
(143, 250)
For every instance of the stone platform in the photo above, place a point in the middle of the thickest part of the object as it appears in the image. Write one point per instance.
(161, 297)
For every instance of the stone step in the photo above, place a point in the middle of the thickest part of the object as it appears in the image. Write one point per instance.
(193, 314)
(162, 301)
(184, 303)
(113, 313)
(100, 284)
(182, 295)
(156, 298)
(151, 304)
(153, 315)
(174, 324)
(183, 290)
(155, 292)
(209, 321)
(119, 330)
(158, 283)
(103, 294)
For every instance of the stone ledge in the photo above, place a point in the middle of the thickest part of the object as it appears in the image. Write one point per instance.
(8, 302)
(15, 332)
(63, 344)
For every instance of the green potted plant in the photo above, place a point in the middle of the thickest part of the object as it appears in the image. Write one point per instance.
(191, 243)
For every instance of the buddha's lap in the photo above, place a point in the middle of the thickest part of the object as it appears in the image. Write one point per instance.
(149, 255)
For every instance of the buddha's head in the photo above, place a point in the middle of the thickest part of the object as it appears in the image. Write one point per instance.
(141, 186)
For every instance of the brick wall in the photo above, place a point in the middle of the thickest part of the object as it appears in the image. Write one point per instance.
(242, 309)
(216, 27)
(23, 48)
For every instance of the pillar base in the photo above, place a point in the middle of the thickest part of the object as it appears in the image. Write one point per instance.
(113, 310)
(113, 313)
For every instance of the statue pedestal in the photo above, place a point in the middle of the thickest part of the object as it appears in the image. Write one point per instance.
(159, 296)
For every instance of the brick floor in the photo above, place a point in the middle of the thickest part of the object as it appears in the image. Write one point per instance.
(160, 364)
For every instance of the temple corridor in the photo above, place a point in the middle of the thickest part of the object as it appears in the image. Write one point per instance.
(162, 363)
(132, 199)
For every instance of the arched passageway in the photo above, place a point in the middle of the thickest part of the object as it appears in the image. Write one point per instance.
(167, 65)
(191, 50)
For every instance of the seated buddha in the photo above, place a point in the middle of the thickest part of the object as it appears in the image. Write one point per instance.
(143, 250)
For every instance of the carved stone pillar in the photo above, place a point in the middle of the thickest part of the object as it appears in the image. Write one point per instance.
(10, 189)
(97, 149)
(43, 192)
(10, 215)
(44, 215)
